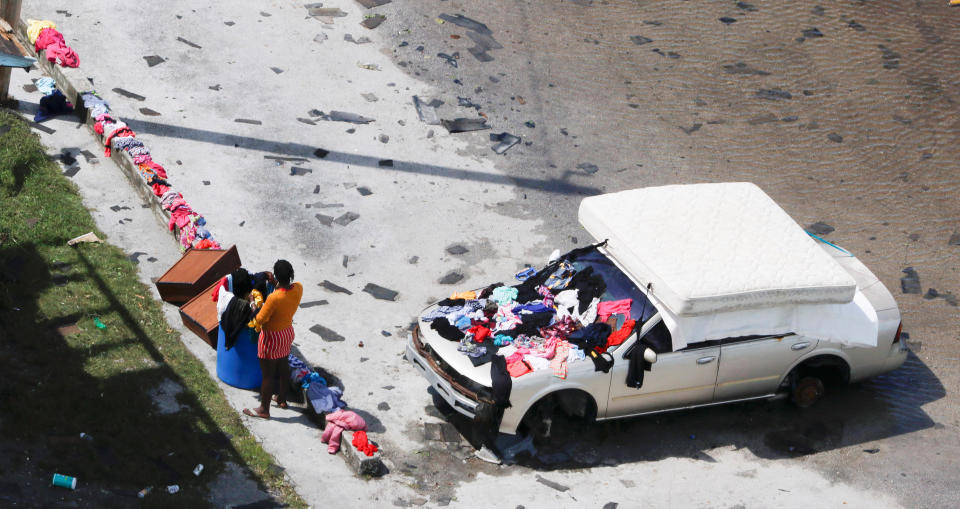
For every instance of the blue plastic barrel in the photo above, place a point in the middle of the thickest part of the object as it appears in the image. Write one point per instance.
(239, 366)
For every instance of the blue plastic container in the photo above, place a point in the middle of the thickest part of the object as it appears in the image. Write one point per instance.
(239, 366)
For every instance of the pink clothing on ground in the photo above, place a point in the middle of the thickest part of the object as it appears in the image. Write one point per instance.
(614, 307)
(336, 423)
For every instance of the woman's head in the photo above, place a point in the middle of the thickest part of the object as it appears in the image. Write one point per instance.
(283, 271)
(241, 283)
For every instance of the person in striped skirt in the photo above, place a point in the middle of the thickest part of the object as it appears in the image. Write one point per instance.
(275, 323)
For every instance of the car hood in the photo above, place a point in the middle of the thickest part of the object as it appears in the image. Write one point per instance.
(447, 350)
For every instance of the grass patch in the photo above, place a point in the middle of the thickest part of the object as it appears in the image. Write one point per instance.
(61, 375)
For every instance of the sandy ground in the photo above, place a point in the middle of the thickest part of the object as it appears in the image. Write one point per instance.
(440, 191)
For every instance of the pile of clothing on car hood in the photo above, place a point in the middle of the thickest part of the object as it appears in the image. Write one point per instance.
(553, 317)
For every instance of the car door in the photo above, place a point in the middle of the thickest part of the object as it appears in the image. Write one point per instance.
(752, 365)
(677, 379)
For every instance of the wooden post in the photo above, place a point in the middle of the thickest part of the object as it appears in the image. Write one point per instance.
(9, 12)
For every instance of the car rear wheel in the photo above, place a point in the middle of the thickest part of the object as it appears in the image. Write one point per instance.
(807, 391)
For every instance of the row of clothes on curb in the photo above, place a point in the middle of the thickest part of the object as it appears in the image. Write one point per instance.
(189, 225)
(44, 36)
(552, 318)
(326, 400)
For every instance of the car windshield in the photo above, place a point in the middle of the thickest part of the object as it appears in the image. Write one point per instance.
(619, 286)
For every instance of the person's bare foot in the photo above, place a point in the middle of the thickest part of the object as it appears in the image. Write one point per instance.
(280, 404)
(256, 412)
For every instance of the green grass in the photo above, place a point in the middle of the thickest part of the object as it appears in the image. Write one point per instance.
(54, 386)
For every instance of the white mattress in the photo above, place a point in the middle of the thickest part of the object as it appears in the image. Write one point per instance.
(710, 248)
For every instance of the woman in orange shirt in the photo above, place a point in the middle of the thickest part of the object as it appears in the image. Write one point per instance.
(275, 323)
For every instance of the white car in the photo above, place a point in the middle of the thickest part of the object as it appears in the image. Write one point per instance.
(731, 299)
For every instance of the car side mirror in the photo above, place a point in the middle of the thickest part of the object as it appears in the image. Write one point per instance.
(649, 355)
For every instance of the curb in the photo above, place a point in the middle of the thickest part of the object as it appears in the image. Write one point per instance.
(72, 84)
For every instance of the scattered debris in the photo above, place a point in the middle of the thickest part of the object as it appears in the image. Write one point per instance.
(305, 305)
(727, 20)
(373, 21)
(954, 239)
(506, 140)
(460, 125)
(326, 334)
(188, 43)
(451, 278)
(891, 59)
(555, 485)
(467, 23)
(343, 116)
(484, 41)
(933, 294)
(364, 191)
(369, 4)
(413, 260)
(324, 12)
(86, 237)
(427, 113)
(148, 112)
(692, 129)
(766, 118)
(321, 153)
(910, 283)
(276, 70)
(380, 292)
(820, 228)
(383, 138)
(68, 330)
(135, 257)
(871, 451)
(834, 137)
(296, 171)
(130, 95)
(742, 68)
(773, 94)
(387, 163)
(361, 40)
(65, 481)
(334, 287)
(153, 60)
(319, 38)
(346, 218)
(247, 121)
(588, 167)
(479, 54)
(747, 7)
(467, 103)
(812, 33)
(306, 121)
(450, 59)
(457, 249)
(287, 159)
